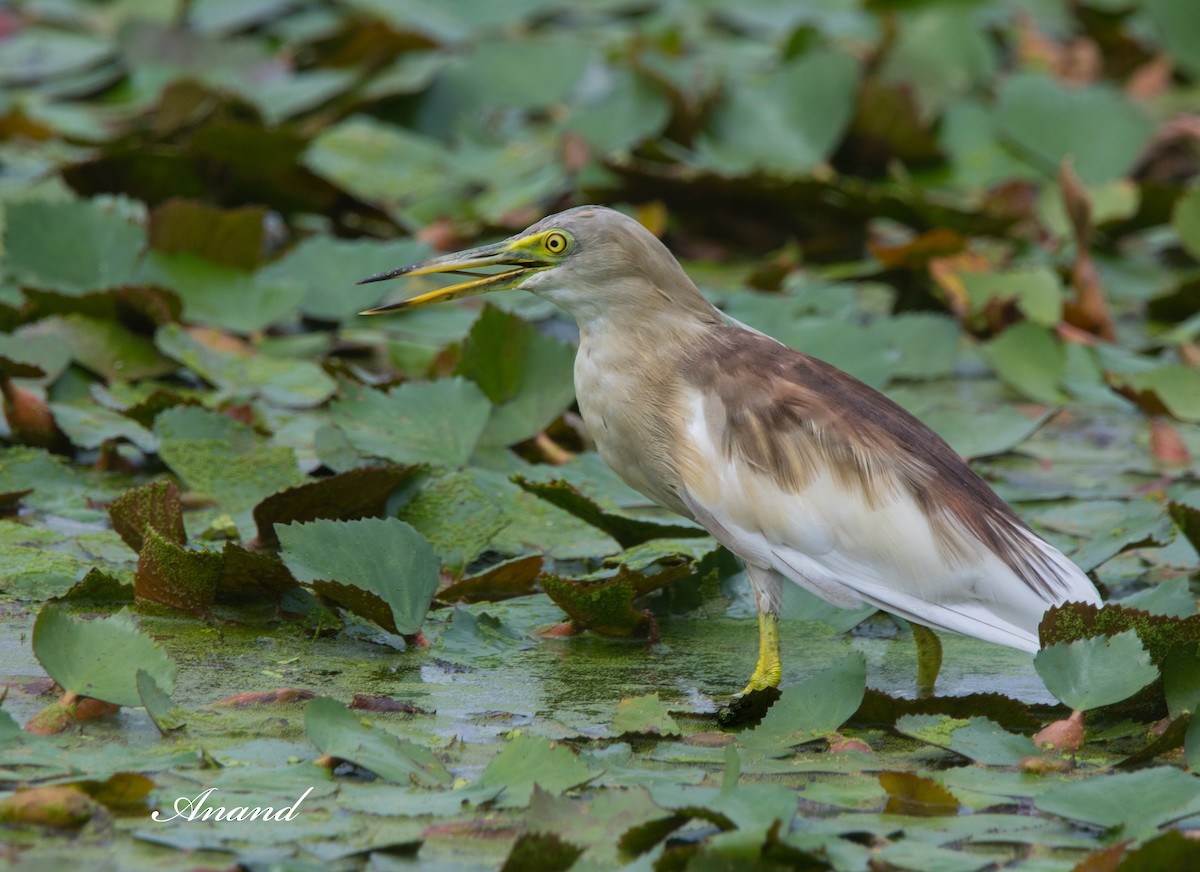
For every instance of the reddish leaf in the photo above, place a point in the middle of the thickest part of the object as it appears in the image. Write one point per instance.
(174, 576)
(504, 581)
(280, 696)
(347, 496)
(151, 505)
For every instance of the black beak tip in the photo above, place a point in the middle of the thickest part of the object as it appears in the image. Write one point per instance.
(384, 276)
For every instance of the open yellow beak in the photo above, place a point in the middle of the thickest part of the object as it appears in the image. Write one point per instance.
(507, 253)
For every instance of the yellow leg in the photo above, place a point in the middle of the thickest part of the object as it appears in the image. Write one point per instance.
(769, 670)
(929, 658)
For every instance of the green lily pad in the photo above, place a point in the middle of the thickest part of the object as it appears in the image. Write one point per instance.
(1134, 803)
(1029, 359)
(221, 296)
(240, 370)
(223, 459)
(328, 268)
(1096, 126)
(455, 513)
(99, 658)
(527, 376)
(438, 423)
(73, 248)
(980, 739)
(365, 564)
(785, 122)
(1095, 672)
(473, 636)
(531, 760)
(812, 709)
(339, 734)
(644, 715)
(90, 425)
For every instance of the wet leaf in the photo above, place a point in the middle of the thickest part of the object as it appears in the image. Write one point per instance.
(644, 715)
(911, 794)
(167, 716)
(813, 708)
(376, 560)
(99, 658)
(457, 514)
(339, 734)
(472, 636)
(1096, 672)
(438, 423)
(980, 739)
(512, 578)
(1168, 389)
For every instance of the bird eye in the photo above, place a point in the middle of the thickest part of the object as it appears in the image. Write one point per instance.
(555, 243)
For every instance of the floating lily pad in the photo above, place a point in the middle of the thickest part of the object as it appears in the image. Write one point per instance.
(339, 734)
(1095, 672)
(530, 760)
(644, 715)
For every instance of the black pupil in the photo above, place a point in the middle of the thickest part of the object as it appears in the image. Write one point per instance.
(555, 243)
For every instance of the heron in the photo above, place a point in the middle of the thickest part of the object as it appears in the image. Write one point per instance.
(806, 474)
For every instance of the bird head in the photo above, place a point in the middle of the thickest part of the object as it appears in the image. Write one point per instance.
(590, 260)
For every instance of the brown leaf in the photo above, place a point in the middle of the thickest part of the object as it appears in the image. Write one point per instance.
(504, 581)
(233, 237)
(279, 696)
(29, 418)
(913, 795)
(919, 251)
(63, 808)
(175, 576)
(1089, 309)
(1105, 860)
(154, 505)
(252, 576)
(347, 496)
(367, 703)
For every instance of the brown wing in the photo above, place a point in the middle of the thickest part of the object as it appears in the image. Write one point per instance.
(873, 445)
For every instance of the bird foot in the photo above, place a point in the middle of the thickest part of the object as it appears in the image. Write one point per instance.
(748, 707)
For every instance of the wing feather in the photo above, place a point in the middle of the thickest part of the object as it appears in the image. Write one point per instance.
(798, 467)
